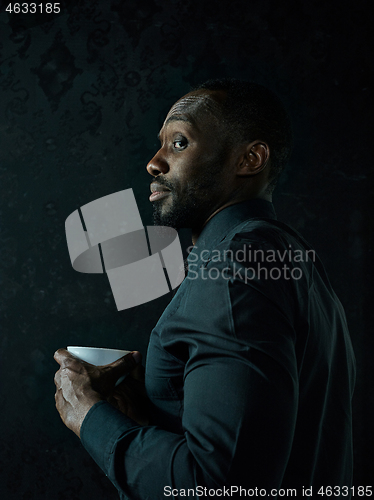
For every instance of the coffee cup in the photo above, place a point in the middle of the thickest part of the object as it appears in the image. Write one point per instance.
(98, 356)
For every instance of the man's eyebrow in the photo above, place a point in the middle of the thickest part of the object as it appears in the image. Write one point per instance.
(177, 118)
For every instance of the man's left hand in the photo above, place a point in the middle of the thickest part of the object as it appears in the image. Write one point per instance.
(80, 385)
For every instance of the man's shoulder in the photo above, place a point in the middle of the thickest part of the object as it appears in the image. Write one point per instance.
(264, 233)
(269, 254)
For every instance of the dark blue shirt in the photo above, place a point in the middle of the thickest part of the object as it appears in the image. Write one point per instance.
(250, 372)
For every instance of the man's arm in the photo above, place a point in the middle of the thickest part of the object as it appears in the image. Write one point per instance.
(240, 404)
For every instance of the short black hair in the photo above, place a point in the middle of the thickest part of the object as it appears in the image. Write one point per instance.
(251, 111)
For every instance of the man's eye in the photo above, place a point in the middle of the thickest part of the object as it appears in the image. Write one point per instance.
(180, 144)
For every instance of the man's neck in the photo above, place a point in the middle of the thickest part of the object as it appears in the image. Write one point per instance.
(196, 232)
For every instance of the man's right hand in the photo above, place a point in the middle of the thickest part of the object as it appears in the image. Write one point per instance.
(79, 385)
(130, 396)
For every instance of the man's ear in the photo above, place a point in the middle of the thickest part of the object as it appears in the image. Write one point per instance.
(254, 159)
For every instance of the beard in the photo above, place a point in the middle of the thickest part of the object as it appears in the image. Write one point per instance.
(190, 206)
(181, 211)
(179, 214)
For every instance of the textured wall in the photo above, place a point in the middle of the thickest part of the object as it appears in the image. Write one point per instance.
(82, 97)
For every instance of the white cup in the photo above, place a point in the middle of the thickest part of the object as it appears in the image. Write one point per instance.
(98, 356)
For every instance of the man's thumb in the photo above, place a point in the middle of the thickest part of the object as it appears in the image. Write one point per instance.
(137, 356)
(125, 364)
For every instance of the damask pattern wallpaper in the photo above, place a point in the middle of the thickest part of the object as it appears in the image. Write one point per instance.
(83, 93)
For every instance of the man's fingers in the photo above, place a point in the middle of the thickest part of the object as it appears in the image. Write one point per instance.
(124, 365)
(65, 359)
(138, 373)
(137, 356)
(57, 379)
(59, 400)
(62, 356)
(102, 377)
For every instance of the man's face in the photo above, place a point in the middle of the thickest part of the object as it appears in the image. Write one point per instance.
(192, 176)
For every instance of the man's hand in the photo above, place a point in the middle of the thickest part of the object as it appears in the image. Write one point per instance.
(130, 396)
(79, 385)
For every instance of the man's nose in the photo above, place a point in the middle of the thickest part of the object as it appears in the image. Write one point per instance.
(158, 164)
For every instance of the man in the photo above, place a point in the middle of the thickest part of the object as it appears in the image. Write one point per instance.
(250, 369)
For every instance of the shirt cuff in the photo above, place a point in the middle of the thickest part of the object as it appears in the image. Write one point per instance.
(100, 431)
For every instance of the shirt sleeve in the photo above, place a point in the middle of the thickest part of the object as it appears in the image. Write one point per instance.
(240, 406)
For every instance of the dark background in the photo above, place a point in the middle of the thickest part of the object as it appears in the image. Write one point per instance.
(82, 97)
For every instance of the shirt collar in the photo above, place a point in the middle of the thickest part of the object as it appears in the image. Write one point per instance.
(226, 220)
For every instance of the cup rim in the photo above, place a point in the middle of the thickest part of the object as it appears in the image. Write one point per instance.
(96, 348)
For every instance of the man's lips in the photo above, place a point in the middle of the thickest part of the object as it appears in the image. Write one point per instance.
(158, 191)
(157, 195)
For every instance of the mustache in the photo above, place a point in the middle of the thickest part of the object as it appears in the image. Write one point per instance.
(164, 182)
